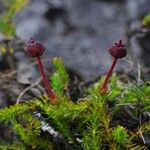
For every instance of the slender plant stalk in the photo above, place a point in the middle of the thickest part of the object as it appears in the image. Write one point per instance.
(48, 88)
(109, 73)
(117, 51)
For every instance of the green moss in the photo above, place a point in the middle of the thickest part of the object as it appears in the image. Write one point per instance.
(120, 135)
(146, 20)
(86, 124)
(60, 78)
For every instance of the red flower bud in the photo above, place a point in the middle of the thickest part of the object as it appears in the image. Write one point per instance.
(34, 48)
(118, 50)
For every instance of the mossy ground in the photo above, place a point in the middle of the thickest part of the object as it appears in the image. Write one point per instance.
(117, 120)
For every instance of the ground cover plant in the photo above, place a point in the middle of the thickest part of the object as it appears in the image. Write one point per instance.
(116, 118)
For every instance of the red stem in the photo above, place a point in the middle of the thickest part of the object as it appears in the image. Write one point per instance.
(109, 73)
(48, 88)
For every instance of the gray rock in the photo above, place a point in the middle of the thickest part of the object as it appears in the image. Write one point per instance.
(79, 31)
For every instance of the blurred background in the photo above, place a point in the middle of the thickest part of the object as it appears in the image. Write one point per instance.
(80, 31)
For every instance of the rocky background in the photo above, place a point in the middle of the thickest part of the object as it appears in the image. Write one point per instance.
(80, 31)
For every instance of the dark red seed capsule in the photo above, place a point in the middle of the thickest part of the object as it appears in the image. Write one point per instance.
(34, 48)
(118, 50)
